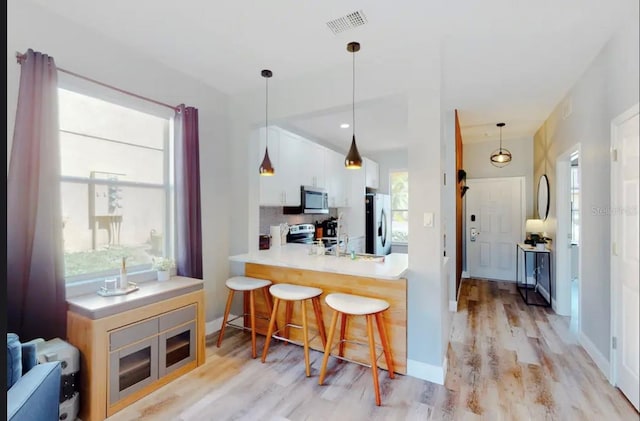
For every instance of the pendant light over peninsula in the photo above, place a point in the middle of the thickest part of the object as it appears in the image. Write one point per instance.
(266, 169)
(353, 160)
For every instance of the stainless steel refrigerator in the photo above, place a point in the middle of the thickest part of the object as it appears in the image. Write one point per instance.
(378, 223)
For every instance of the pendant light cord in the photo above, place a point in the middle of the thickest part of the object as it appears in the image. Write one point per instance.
(266, 115)
(500, 140)
(353, 95)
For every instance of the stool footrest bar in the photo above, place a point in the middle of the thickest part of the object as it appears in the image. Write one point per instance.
(355, 343)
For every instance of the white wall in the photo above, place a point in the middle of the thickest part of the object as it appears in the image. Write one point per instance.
(83, 51)
(608, 87)
(477, 164)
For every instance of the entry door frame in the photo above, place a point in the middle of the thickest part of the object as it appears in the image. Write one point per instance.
(615, 278)
(562, 300)
(523, 213)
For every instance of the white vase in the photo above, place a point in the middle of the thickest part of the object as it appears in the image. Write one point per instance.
(163, 275)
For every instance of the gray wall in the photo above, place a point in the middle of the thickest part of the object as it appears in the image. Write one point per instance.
(608, 87)
(83, 51)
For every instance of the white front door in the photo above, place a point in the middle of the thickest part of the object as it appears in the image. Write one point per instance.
(624, 262)
(494, 221)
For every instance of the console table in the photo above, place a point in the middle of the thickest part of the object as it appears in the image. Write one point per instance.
(133, 344)
(534, 293)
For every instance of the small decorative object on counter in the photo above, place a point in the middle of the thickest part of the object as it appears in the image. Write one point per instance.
(123, 283)
(111, 284)
(163, 266)
(276, 236)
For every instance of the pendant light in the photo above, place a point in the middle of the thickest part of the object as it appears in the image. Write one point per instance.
(266, 168)
(353, 160)
(500, 157)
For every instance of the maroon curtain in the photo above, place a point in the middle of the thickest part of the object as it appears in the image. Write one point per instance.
(36, 302)
(187, 166)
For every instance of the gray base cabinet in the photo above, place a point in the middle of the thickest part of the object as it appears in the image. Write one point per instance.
(143, 352)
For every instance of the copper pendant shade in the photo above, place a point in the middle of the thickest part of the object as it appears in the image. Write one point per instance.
(353, 160)
(266, 169)
(500, 157)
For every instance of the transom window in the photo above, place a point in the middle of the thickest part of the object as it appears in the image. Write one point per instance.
(115, 184)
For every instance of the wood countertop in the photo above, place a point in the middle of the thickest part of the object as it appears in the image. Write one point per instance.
(296, 256)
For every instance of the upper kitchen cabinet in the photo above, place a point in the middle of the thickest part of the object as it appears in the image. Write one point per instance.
(337, 180)
(372, 173)
(277, 190)
(297, 162)
(306, 157)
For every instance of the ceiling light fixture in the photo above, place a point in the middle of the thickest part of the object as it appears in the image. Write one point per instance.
(266, 168)
(345, 126)
(353, 160)
(500, 157)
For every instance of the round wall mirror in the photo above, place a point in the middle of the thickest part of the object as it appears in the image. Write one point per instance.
(543, 197)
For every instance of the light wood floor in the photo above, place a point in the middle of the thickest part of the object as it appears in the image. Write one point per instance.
(507, 361)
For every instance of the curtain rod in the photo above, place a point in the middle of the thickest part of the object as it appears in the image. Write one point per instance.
(22, 57)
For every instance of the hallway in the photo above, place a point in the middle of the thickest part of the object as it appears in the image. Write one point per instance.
(508, 360)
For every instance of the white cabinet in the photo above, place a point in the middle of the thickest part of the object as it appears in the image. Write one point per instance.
(296, 161)
(372, 173)
(272, 188)
(337, 179)
(308, 159)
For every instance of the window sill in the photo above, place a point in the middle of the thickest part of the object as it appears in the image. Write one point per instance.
(78, 288)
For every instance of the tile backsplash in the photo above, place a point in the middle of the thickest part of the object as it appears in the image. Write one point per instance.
(272, 215)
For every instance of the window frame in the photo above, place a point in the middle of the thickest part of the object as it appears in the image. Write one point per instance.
(90, 282)
(392, 210)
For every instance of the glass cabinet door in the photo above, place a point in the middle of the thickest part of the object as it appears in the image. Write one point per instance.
(132, 368)
(176, 348)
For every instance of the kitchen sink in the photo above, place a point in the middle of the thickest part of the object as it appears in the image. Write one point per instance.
(359, 256)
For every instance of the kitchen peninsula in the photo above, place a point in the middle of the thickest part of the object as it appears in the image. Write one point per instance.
(292, 263)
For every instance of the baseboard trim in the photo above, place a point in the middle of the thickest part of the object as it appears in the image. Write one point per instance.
(215, 325)
(597, 357)
(428, 372)
(453, 306)
(465, 274)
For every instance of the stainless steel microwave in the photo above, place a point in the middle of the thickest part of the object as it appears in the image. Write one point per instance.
(313, 200)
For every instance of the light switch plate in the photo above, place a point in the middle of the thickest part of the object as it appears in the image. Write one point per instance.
(428, 219)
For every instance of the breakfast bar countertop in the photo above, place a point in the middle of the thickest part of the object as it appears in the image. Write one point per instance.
(297, 256)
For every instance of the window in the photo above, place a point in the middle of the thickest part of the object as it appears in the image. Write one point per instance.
(399, 182)
(115, 185)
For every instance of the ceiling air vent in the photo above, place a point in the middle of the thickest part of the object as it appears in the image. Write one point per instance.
(349, 21)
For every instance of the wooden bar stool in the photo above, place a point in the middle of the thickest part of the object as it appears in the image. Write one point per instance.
(355, 305)
(290, 294)
(247, 285)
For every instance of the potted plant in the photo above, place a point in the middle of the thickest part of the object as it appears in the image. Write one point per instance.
(163, 266)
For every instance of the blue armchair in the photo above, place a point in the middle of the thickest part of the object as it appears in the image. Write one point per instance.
(33, 390)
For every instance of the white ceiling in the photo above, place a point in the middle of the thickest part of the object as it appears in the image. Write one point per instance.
(501, 60)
